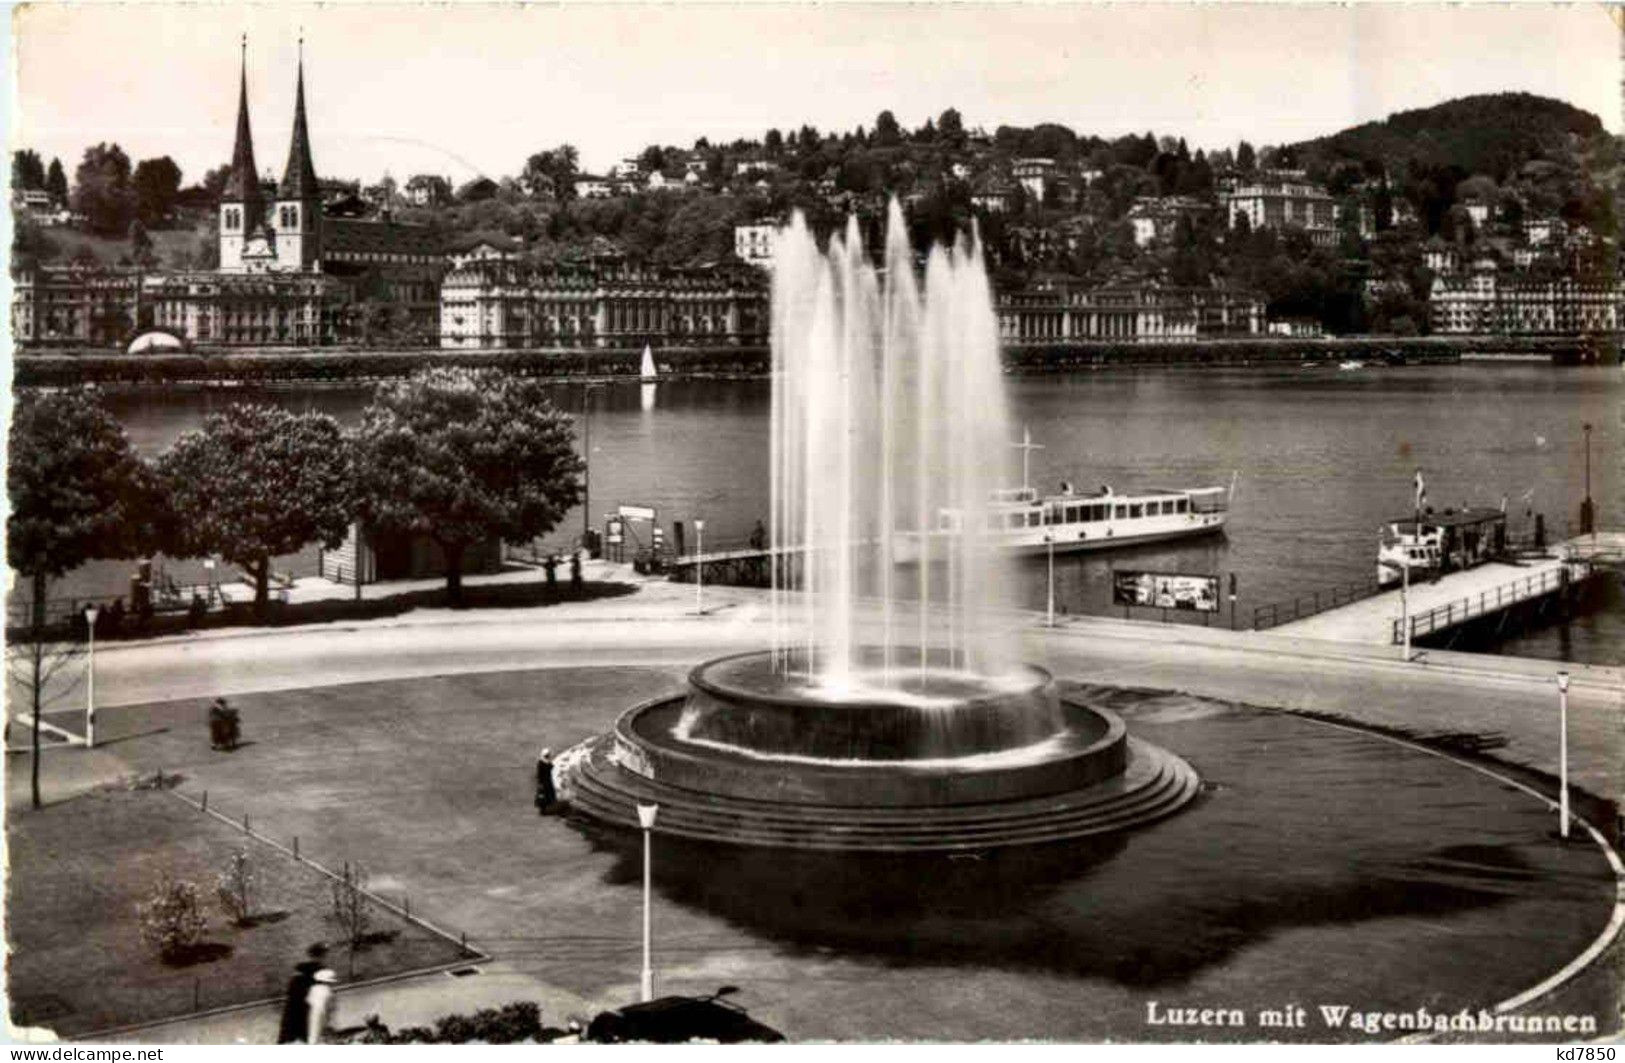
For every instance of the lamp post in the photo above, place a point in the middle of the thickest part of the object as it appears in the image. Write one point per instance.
(1404, 602)
(699, 568)
(586, 462)
(646, 818)
(90, 679)
(1049, 543)
(1563, 752)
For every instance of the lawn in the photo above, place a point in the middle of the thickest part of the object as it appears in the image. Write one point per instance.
(172, 246)
(78, 871)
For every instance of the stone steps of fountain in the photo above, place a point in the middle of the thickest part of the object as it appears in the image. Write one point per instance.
(1156, 785)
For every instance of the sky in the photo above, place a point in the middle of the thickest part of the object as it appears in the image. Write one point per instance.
(463, 89)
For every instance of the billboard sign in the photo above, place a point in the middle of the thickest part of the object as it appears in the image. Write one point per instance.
(637, 512)
(1166, 590)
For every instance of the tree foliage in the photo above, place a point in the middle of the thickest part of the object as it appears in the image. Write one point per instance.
(27, 171)
(464, 456)
(101, 189)
(172, 919)
(76, 487)
(256, 482)
(155, 183)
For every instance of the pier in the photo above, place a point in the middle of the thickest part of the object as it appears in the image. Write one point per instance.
(1494, 592)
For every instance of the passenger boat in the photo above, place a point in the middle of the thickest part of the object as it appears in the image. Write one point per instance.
(1427, 544)
(1022, 521)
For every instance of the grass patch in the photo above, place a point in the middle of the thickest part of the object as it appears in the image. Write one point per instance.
(80, 868)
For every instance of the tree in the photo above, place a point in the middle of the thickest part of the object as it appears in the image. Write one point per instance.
(56, 182)
(77, 492)
(951, 129)
(27, 172)
(101, 189)
(887, 132)
(555, 168)
(156, 183)
(352, 908)
(1246, 158)
(236, 887)
(214, 182)
(462, 456)
(256, 482)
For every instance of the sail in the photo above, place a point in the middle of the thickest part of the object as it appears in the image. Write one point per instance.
(649, 371)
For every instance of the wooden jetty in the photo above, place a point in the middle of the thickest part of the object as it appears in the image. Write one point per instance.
(1493, 592)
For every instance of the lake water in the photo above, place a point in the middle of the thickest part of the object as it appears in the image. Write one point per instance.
(1321, 459)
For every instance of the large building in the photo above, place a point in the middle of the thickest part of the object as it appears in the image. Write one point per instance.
(491, 300)
(1058, 312)
(1283, 200)
(1481, 301)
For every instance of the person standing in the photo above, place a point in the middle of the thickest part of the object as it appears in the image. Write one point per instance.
(322, 1005)
(295, 1019)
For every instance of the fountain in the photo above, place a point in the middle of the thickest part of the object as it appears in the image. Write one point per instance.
(880, 725)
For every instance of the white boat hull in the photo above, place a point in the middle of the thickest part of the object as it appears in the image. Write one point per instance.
(1074, 538)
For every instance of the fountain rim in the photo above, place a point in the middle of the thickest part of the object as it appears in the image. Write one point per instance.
(698, 680)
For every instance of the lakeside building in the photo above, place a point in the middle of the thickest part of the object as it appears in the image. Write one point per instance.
(1060, 312)
(290, 272)
(491, 300)
(1281, 200)
(1481, 301)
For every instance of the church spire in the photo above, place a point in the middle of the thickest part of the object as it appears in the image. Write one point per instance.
(243, 185)
(299, 179)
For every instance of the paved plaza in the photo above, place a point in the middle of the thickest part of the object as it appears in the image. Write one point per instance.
(407, 742)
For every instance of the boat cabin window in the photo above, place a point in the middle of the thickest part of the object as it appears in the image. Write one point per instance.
(1183, 505)
(1136, 510)
(1120, 511)
(1052, 514)
(1072, 514)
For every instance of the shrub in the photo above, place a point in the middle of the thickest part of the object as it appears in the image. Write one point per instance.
(236, 887)
(520, 1021)
(172, 919)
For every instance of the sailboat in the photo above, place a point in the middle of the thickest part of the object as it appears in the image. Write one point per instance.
(649, 374)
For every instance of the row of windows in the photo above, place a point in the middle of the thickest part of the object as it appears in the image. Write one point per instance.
(1079, 512)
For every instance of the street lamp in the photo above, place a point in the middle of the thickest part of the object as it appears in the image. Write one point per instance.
(646, 818)
(90, 679)
(1049, 541)
(699, 567)
(586, 462)
(1563, 751)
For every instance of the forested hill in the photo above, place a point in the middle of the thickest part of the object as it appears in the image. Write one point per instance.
(1491, 134)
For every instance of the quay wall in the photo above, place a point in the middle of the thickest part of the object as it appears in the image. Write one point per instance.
(268, 365)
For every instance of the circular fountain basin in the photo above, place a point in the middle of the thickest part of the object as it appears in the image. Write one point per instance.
(753, 755)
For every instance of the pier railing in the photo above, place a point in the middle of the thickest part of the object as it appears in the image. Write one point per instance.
(1441, 617)
(1305, 605)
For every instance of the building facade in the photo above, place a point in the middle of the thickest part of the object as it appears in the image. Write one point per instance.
(1125, 312)
(491, 300)
(1482, 301)
(1280, 201)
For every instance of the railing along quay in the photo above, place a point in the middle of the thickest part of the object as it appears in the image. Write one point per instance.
(1443, 617)
(1306, 605)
